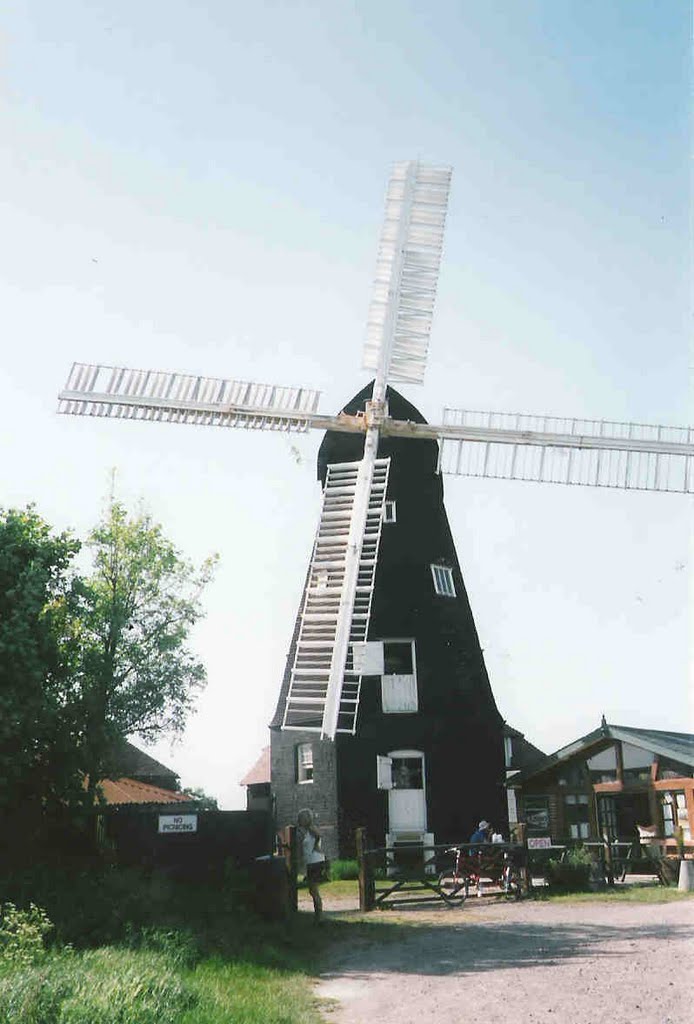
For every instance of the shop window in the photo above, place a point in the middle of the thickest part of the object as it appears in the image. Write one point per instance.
(304, 762)
(675, 814)
(577, 815)
(607, 816)
(536, 815)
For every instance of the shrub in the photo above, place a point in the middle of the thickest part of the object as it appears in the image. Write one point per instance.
(343, 870)
(571, 874)
(22, 934)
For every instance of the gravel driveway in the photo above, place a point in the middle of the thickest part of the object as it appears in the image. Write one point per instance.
(567, 963)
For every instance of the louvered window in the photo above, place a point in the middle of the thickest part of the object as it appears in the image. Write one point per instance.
(304, 762)
(443, 580)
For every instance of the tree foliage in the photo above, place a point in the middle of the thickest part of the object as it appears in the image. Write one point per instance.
(135, 672)
(37, 596)
(89, 659)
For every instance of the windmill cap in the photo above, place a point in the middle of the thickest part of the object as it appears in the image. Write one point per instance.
(483, 824)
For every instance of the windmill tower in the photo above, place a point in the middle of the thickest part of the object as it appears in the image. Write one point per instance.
(375, 707)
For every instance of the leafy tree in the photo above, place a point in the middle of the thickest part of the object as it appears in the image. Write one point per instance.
(134, 671)
(38, 764)
(205, 801)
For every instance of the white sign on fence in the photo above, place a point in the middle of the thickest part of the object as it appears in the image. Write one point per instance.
(178, 823)
(539, 843)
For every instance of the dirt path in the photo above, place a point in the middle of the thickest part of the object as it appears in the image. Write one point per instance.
(527, 963)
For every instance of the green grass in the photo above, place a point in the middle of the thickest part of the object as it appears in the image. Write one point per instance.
(620, 894)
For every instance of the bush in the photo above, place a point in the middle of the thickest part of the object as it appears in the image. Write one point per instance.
(22, 934)
(571, 874)
(343, 870)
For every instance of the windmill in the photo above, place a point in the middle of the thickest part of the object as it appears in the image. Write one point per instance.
(332, 651)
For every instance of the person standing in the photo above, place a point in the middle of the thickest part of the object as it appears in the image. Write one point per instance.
(312, 856)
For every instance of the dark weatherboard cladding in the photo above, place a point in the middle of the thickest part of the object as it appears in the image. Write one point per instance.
(441, 747)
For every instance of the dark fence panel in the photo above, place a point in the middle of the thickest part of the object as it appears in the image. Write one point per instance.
(223, 839)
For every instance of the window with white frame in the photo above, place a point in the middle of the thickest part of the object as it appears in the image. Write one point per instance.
(399, 679)
(304, 762)
(389, 512)
(443, 580)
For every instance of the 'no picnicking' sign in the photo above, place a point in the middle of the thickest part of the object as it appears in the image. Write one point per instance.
(178, 823)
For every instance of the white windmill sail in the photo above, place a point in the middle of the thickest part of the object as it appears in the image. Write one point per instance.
(396, 348)
(407, 269)
(95, 390)
(324, 688)
(547, 449)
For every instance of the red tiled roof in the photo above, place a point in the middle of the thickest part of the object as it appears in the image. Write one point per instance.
(260, 772)
(130, 791)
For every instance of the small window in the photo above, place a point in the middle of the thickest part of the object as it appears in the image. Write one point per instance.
(577, 815)
(304, 762)
(399, 679)
(443, 580)
(389, 512)
(407, 773)
(397, 657)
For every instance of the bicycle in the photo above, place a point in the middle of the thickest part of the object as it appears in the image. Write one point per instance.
(469, 868)
(455, 883)
(511, 878)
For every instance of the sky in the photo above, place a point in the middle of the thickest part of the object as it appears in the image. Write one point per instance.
(198, 185)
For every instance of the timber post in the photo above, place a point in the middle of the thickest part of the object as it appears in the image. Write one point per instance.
(290, 852)
(608, 865)
(525, 874)
(367, 893)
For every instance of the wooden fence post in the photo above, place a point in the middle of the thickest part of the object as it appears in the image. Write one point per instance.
(608, 865)
(290, 852)
(525, 872)
(367, 893)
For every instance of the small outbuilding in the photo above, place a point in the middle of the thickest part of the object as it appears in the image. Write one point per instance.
(617, 781)
(257, 783)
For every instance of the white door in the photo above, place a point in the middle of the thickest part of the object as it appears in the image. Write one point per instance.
(407, 809)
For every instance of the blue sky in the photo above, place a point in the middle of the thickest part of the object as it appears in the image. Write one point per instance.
(198, 186)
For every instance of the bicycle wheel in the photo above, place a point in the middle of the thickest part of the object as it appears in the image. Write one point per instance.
(452, 885)
(512, 889)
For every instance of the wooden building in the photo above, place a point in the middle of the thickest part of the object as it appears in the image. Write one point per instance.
(426, 760)
(257, 783)
(610, 782)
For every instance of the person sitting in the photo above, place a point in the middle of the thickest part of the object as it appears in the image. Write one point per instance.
(482, 833)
